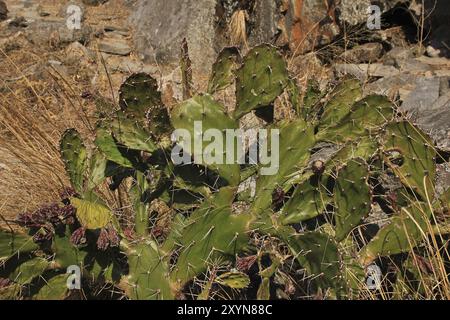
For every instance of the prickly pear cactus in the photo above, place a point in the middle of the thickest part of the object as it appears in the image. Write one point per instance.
(185, 229)
(211, 231)
(147, 279)
(402, 234)
(365, 118)
(352, 197)
(132, 136)
(342, 99)
(411, 155)
(92, 212)
(74, 155)
(260, 80)
(205, 112)
(223, 69)
(12, 244)
(318, 253)
(296, 139)
(137, 94)
(309, 200)
(108, 146)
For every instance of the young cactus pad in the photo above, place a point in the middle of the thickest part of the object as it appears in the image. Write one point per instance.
(137, 94)
(74, 155)
(223, 69)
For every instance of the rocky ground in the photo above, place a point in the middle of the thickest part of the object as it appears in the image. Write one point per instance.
(51, 75)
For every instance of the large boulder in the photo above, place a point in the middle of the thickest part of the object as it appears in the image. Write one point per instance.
(161, 26)
(355, 12)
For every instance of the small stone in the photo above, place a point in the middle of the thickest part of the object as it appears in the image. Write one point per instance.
(115, 46)
(398, 54)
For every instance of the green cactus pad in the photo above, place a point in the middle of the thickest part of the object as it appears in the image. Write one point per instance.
(405, 231)
(233, 279)
(365, 118)
(108, 146)
(311, 100)
(29, 270)
(411, 155)
(309, 200)
(341, 101)
(158, 123)
(140, 204)
(260, 80)
(223, 69)
(295, 97)
(364, 148)
(54, 288)
(148, 273)
(129, 134)
(74, 155)
(212, 115)
(319, 255)
(15, 244)
(97, 170)
(210, 232)
(296, 140)
(92, 212)
(263, 292)
(352, 197)
(137, 94)
(177, 225)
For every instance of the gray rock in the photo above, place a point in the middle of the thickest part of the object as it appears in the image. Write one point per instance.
(430, 110)
(114, 46)
(397, 85)
(307, 24)
(414, 66)
(161, 26)
(425, 93)
(443, 178)
(398, 55)
(435, 120)
(355, 11)
(117, 30)
(129, 65)
(42, 11)
(42, 32)
(362, 71)
(27, 9)
(265, 20)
